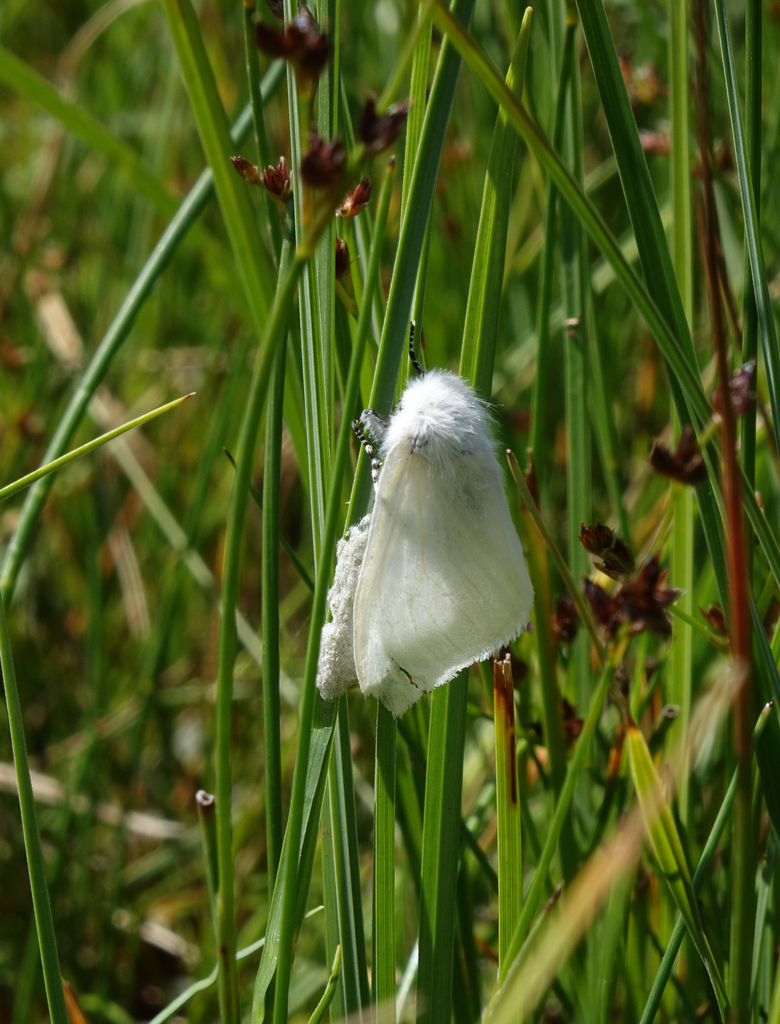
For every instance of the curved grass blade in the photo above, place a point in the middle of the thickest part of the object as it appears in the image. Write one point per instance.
(85, 449)
(384, 865)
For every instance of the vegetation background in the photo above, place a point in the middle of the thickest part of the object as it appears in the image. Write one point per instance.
(572, 318)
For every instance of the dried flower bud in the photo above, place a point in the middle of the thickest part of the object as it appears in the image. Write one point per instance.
(565, 621)
(302, 44)
(615, 556)
(716, 620)
(376, 131)
(247, 170)
(356, 200)
(639, 603)
(342, 257)
(277, 180)
(643, 599)
(322, 164)
(742, 389)
(685, 464)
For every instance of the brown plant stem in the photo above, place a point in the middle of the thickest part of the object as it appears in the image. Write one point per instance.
(743, 845)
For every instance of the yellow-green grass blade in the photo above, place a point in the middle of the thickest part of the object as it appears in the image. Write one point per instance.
(80, 122)
(669, 853)
(85, 449)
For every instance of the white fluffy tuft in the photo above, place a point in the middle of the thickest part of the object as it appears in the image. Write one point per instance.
(336, 667)
(440, 418)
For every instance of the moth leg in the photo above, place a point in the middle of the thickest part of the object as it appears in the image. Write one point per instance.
(376, 464)
(375, 423)
(415, 362)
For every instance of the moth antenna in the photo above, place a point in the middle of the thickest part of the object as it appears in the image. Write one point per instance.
(376, 465)
(415, 362)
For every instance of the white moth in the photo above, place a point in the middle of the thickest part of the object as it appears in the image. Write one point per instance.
(442, 580)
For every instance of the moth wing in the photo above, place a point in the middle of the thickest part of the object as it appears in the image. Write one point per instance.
(443, 581)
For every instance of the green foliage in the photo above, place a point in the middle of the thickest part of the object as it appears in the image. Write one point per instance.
(549, 281)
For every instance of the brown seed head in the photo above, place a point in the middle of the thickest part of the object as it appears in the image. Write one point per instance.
(376, 131)
(356, 200)
(684, 464)
(615, 557)
(248, 171)
(277, 180)
(323, 163)
(742, 389)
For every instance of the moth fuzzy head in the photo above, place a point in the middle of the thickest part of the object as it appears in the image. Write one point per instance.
(440, 418)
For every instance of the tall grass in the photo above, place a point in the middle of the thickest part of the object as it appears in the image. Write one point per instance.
(533, 840)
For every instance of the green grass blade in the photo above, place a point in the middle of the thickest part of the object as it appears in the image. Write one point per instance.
(480, 329)
(510, 851)
(32, 839)
(80, 122)
(253, 265)
(85, 449)
(539, 423)
(441, 821)
(113, 339)
(384, 865)
(576, 293)
(766, 323)
(392, 346)
(289, 881)
(587, 214)
(272, 482)
(669, 852)
(418, 88)
(330, 990)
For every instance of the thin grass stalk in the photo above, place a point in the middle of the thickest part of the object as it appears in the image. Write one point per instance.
(115, 336)
(274, 335)
(510, 850)
(753, 54)
(740, 626)
(322, 581)
(533, 897)
(766, 323)
(418, 86)
(44, 922)
(384, 866)
(327, 99)
(681, 560)
(480, 329)
(540, 409)
(91, 446)
(330, 990)
(347, 914)
(258, 121)
(315, 360)
(392, 345)
(330, 899)
(576, 292)
(272, 480)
